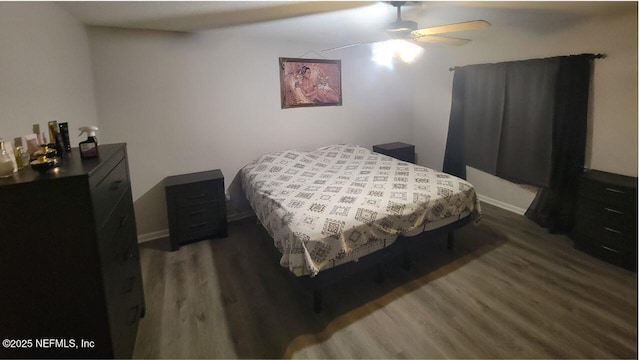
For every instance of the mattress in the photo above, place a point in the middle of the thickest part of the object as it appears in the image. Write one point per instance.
(341, 202)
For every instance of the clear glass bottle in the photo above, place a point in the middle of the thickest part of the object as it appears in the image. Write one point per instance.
(6, 163)
(22, 159)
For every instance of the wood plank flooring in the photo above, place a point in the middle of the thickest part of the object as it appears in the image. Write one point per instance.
(508, 289)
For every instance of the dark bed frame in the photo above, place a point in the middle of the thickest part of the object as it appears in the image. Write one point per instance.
(376, 259)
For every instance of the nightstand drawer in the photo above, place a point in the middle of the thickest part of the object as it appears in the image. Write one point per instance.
(198, 221)
(197, 193)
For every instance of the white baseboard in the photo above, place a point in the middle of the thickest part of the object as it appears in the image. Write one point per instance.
(153, 235)
(502, 205)
(165, 233)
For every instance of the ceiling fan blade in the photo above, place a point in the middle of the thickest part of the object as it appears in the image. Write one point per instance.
(463, 26)
(442, 40)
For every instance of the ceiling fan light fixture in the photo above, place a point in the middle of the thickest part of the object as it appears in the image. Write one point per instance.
(384, 52)
(408, 51)
(402, 26)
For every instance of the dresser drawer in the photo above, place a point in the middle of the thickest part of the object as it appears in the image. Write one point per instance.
(611, 194)
(606, 253)
(108, 191)
(117, 244)
(121, 216)
(609, 236)
(611, 216)
(196, 193)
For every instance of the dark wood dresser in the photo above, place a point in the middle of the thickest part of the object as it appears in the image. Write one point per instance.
(69, 260)
(196, 207)
(607, 218)
(398, 150)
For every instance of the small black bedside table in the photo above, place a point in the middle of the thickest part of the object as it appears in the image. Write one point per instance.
(196, 207)
(398, 150)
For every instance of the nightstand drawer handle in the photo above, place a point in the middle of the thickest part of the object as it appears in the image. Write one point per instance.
(610, 249)
(196, 196)
(615, 190)
(196, 212)
(200, 224)
(613, 211)
(613, 230)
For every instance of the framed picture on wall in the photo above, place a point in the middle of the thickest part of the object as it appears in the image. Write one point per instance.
(310, 82)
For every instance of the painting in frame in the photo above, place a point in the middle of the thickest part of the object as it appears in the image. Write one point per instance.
(310, 82)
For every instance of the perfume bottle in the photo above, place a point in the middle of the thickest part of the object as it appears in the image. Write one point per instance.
(6, 163)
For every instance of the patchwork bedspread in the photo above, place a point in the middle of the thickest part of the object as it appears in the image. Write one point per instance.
(343, 201)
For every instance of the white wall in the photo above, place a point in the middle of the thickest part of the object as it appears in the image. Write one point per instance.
(45, 70)
(194, 102)
(612, 143)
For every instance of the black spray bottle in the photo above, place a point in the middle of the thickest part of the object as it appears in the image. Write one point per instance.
(89, 147)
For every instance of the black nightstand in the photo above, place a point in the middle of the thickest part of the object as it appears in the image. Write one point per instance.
(196, 207)
(607, 218)
(398, 150)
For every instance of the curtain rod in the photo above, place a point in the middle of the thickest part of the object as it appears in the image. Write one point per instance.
(595, 56)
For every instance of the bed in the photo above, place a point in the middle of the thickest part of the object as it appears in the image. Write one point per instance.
(341, 203)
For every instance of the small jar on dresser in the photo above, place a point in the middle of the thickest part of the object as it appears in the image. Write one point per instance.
(607, 218)
(196, 207)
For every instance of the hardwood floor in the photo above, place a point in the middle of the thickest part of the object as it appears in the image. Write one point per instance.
(507, 289)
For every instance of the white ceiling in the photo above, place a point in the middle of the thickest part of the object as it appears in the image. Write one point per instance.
(360, 22)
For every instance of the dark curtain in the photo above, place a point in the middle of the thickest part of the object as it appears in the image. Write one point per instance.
(524, 121)
(554, 206)
(526, 137)
(454, 159)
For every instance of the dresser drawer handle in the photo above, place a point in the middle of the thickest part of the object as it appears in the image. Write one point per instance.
(200, 224)
(196, 212)
(614, 190)
(610, 249)
(196, 196)
(614, 211)
(116, 184)
(123, 220)
(612, 230)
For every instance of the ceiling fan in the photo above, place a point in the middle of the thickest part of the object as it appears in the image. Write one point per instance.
(408, 30)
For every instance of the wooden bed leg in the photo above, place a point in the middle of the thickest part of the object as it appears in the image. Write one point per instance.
(450, 240)
(379, 274)
(406, 259)
(317, 300)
